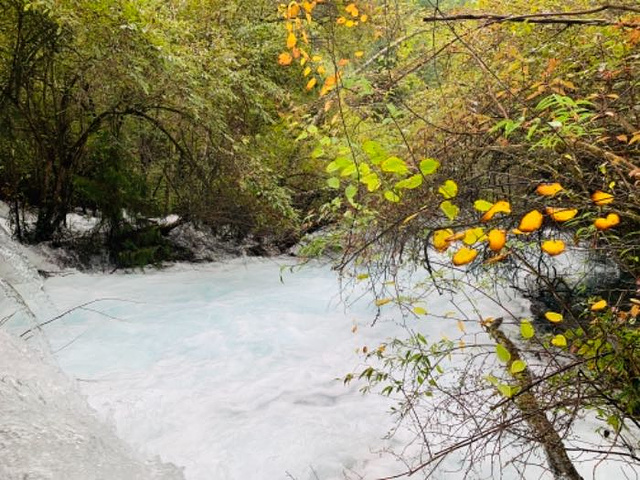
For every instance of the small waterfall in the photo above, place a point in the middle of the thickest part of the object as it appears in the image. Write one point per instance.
(47, 429)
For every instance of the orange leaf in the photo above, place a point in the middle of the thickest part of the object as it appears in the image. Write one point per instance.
(293, 10)
(553, 247)
(496, 259)
(285, 59)
(501, 206)
(561, 214)
(464, 255)
(342, 62)
(531, 222)
(341, 20)
(605, 223)
(601, 198)
(497, 239)
(549, 189)
(352, 9)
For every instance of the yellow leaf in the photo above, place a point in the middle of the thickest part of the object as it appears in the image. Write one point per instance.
(382, 301)
(611, 220)
(352, 9)
(553, 247)
(311, 83)
(464, 255)
(601, 198)
(501, 206)
(461, 326)
(291, 40)
(554, 317)
(600, 305)
(341, 20)
(316, 58)
(473, 235)
(307, 71)
(497, 239)
(364, 18)
(285, 58)
(559, 341)
(359, 54)
(440, 237)
(561, 214)
(419, 311)
(531, 222)
(549, 189)
(321, 70)
(350, 24)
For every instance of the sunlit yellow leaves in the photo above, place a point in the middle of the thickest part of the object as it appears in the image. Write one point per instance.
(448, 189)
(559, 341)
(382, 301)
(308, 6)
(311, 83)
(440, 239)
(601, 198)
(364, 18)
(291, 40)
(464, 256)
(321, 70)
(599, 305)
(501, 206)
(394, 165)
(553, 247)
(306, 72)
(497, 239)
(450, 210)
(473, 235)
(609, 221)
(359, 54)
(352, 9)
(428, 166)
(285, 59)
(531, 222)
(482, 205)
(549, 189)
(554, 317)
(561, 214)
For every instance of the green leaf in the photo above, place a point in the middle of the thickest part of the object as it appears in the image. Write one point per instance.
(392, 197)
(449, 209)
(428, 166)
(502, 353)
(338, 164)
(508, 390)
(518, 366)
(394, 165)
(526, 329)
(413, 181)
(372, 181)
(374, 151)
(333, 182)
(448, 189)
(482, 205)
(350, 192)
(317, 152)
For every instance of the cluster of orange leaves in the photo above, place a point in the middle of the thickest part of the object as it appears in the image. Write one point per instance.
(530, 222)
(298, 17)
